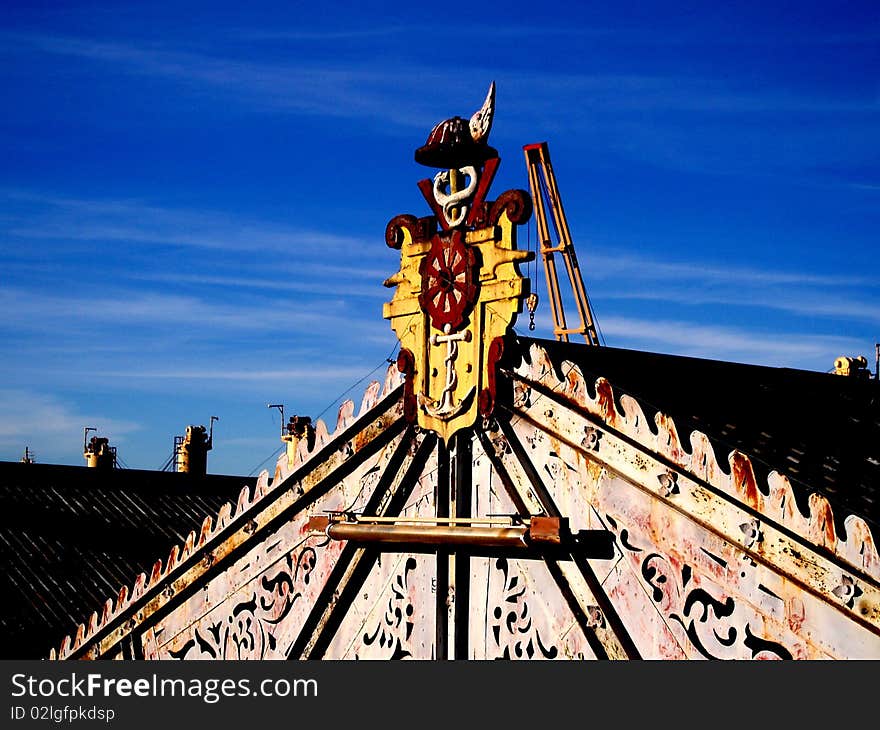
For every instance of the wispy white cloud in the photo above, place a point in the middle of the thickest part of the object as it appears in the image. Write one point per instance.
(305, 282)
(59, 313)
(650, 36)
(234, 343)
(475, 30)
(716, 342)
(330, 89)
(369, 89)
(96, 220)
(614, 34)
(809, 304)
(634, 116)
(34, 418)
(336, 34)
(599, 94)
(810, 294)
(118, 221)
(613, 265)
(308, 375)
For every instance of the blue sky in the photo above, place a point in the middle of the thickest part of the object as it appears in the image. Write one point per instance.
(193, 197)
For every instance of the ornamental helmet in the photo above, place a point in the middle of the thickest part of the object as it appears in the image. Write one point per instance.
(454, 142)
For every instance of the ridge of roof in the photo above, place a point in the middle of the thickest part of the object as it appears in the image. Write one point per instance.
(821, 430)
(799, 507)
(212, 526)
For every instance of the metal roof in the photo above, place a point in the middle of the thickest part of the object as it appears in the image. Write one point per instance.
(70, 536)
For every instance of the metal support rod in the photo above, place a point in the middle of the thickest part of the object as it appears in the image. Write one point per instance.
(459, 562)
(500, 537)
(540, 530)
(280, 407)
(443, 625)
(86, 430)
(505, 520)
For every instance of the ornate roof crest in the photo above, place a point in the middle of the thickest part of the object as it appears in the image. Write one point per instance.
(459, 288)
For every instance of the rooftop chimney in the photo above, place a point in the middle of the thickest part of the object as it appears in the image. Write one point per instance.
(297, 429)
(191, 450)
(852, 366)
(97, 451)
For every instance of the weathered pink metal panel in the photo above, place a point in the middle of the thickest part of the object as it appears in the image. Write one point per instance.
(711, 568)
(394, 615)
(512, 618)
(257, 607)
(705, 563)
(260, 619)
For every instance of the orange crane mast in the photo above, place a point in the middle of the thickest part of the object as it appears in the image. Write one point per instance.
(545, 195)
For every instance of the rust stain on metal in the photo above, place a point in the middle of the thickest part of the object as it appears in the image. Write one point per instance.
(855, 546)
(575, 385)
(594, 469)
(406, 365)
(795, 613)
(824, 519)
(317, 523)
(605, 401)
(744, 477)
(362, 439)
(669, 434)
(547, 529)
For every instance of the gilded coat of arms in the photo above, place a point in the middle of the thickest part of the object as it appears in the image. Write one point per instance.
(459, 288)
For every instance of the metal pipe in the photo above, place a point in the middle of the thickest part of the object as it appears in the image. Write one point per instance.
(501, 537)
(369, 519)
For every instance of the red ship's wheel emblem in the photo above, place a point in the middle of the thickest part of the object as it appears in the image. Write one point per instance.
(448, 286)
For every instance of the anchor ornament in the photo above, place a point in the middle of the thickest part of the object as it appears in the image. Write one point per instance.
(444, 407)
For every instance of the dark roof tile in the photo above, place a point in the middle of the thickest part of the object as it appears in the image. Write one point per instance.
(70, 537)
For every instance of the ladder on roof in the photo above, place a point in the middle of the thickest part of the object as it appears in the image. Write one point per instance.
(545, 194)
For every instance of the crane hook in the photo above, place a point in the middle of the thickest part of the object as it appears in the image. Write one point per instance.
(532, 305)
